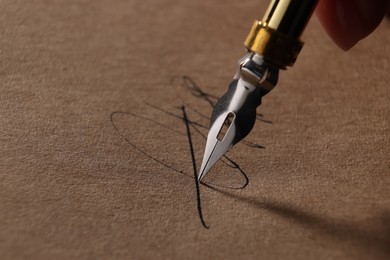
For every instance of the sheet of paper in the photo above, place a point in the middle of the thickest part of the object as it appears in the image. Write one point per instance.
(100, 101)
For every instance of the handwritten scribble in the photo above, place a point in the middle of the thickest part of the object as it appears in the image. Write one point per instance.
(112, 119)
(195, 90)
(189, 84)
(226, 160)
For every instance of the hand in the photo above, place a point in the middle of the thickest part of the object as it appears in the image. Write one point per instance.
(349, 21)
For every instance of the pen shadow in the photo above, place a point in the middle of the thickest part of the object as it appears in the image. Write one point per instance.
(376, 239)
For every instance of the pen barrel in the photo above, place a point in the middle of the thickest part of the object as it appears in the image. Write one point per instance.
(289, 16)
(277, 36)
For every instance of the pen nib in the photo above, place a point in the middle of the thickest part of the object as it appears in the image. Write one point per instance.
(234, 115)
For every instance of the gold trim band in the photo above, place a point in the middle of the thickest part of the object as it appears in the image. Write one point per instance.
(276, 47)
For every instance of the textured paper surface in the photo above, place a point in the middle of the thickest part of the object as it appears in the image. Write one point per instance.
(95, 161)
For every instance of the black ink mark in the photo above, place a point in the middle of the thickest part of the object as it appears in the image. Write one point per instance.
(189, 84)
(199, 204)
(196, 91)
(174, 115)
(134, 146)
(260, 118)
(236, 166)
(252, 145)
(230, 163)
(225, 159)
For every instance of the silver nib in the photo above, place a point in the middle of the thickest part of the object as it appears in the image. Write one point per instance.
(234, 114)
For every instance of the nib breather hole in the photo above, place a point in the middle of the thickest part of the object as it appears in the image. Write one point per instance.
(225, 127)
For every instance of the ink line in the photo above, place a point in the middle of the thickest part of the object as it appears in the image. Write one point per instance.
(134, 146)
(198, 200)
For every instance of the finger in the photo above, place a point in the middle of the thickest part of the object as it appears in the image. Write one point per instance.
(347, 22)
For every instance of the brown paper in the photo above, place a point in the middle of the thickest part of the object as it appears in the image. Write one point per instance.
(95, 156)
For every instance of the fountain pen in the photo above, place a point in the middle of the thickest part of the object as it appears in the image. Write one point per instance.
(273, 44)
